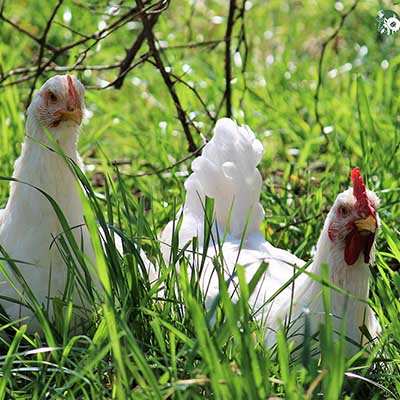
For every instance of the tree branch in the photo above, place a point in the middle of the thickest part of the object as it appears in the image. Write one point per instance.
(132, 52)
(228, 57)
(167, 80)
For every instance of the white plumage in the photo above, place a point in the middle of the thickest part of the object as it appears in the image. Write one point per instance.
(29, 223)
(227, 172)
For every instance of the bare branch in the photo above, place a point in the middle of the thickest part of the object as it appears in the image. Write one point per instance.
(24, 31)
(167, 80)
(48, 55)
(228, 57)
(43, 40)
(172, 166)
(132, 52)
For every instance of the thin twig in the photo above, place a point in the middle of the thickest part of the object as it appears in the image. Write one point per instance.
(131, 54)
(23, 30)
(167, 80)
(194, 45)
(243, 41)
(99, 35)
(228, 58)
(197, 95)
(43, 40)
(172, 166)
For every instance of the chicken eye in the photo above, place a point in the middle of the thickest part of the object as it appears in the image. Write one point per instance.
(343, 211)
(52, 96)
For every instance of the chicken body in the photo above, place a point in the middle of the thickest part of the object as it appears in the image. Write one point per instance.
(227, 172)
(29, 226)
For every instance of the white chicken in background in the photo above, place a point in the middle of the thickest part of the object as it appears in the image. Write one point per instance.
(227, 172)
(28, 224)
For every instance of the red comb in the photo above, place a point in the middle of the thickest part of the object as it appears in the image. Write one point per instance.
(72, 93)
(360, 192)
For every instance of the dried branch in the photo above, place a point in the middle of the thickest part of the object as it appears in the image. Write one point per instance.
(24, 31)
(228, 58)
(132, 52)
(197, 95)
(167, 80)
(172, 166)
(141, 60)
(193, 45)
(43, 40)
(242, 41)
(146, 11)
(97, 36)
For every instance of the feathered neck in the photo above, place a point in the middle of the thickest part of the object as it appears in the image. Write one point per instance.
(44, 168)
(352, 278)
(63, 138)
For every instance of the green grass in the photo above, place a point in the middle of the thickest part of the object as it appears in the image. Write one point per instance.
(138, 345)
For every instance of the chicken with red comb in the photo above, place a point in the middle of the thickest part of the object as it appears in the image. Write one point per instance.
(30, 230)
(227, 172)
(29, 224)
(346, 246)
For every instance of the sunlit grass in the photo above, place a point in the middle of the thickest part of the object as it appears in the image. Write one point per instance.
(143, 342)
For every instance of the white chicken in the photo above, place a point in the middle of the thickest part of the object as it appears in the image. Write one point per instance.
(29, 224)
(227, 172)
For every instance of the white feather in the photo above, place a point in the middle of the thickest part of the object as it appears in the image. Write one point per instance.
(29, 223)
(227, 172)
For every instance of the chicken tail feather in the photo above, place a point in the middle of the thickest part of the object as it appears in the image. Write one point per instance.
(227, 172)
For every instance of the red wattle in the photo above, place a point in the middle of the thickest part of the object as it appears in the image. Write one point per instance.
(369, 241)
(355, 244)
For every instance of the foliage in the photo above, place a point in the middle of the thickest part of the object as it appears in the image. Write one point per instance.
(145, 343)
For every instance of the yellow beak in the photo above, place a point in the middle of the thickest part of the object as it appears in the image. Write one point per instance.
(367, 224)
(75, 115)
